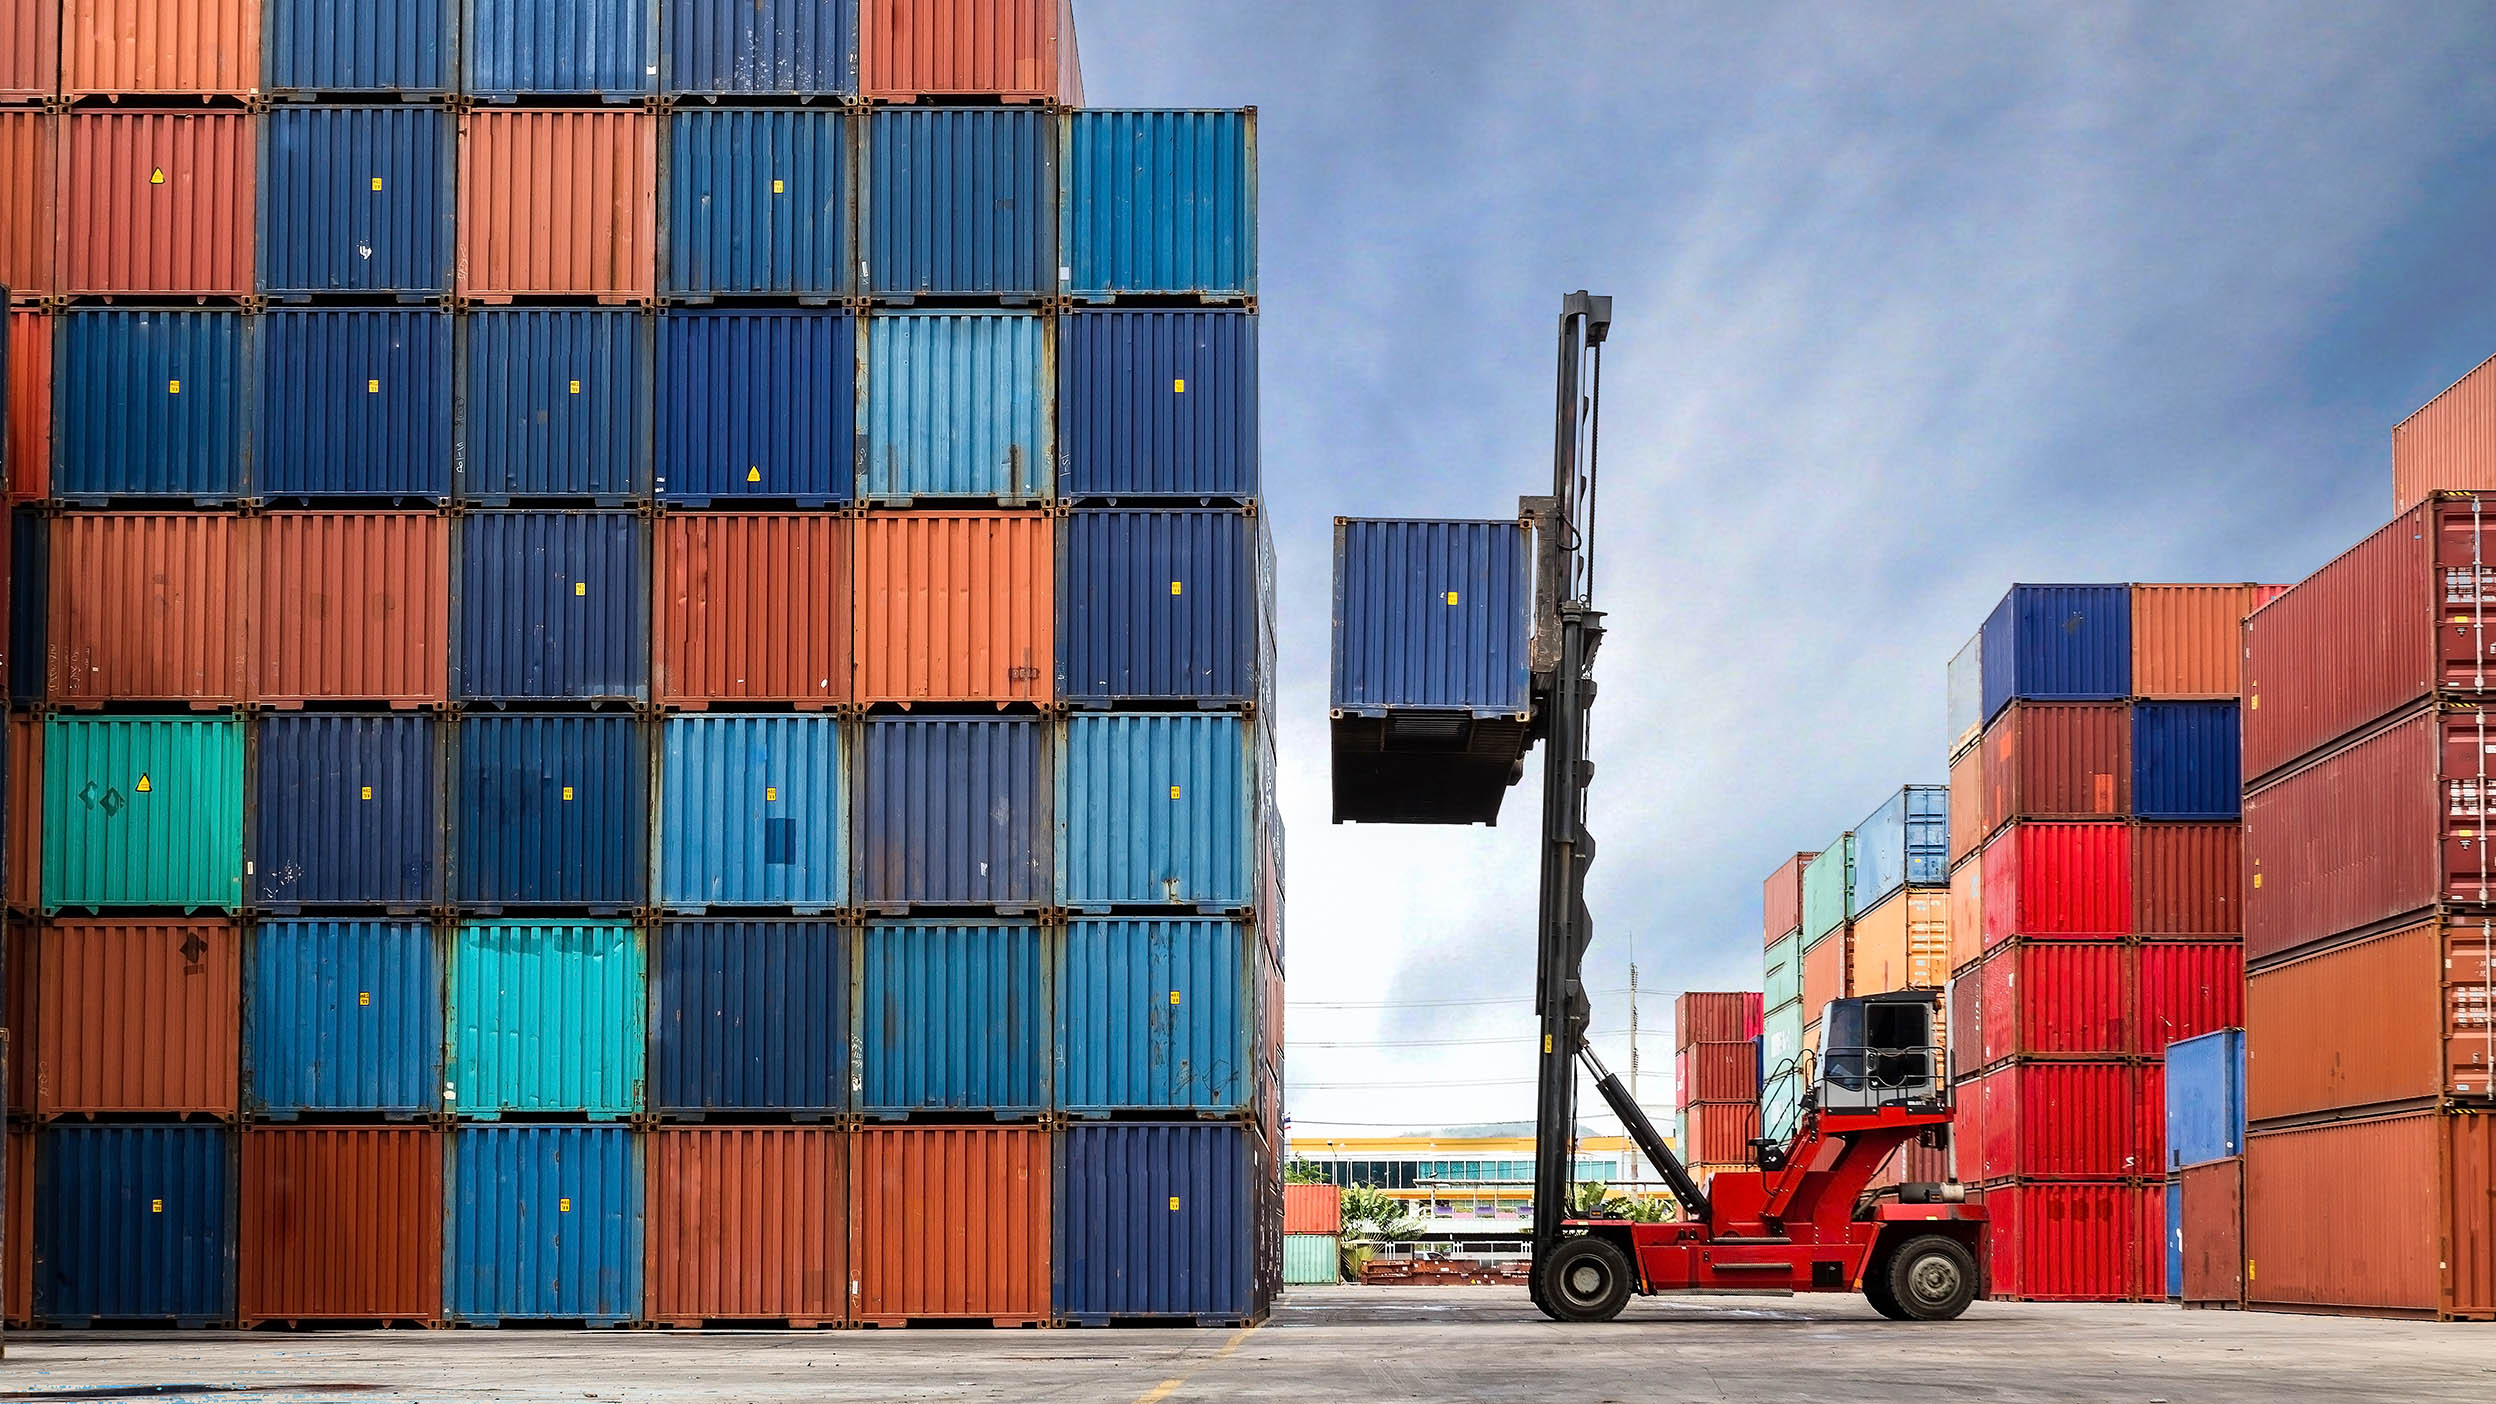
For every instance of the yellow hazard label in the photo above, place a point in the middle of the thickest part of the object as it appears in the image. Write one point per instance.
(156, 176)
(771, 793)
(368, 792)
(1174, 1204)
(376, 182)
(567, 794)
(563, 1206)
(1174, 587)
(2257, 879)
(580, 587)
(145, 784)
(576, 387)
(1451, 597)
(1174, 996)
(1174, 791)
(364, 998)
(372, 387)
(157, 1206)
(777, 188)
(1179, 386)
(754, 475)
(173, 387)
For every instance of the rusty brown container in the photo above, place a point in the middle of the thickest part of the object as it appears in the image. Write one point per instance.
(748, 1223)
(209, 47)
(1967, 802)
(157, 202)
(950, 1222)
(955, 607)
(2400, 1017)
(2188, 640)
(2448, 443)
(2390, 1216)
(29, 195)
(141, 1015)
(1781, 899)
(30, 67)
(350, 606)
(2213, 1233)
(143, 608)
(340, 1223)
(752, 607)
(558, 202)
(2058, 760)
(2188, 880)
(20, 935)
(1014, 50)
(30, 405)
(25, 799)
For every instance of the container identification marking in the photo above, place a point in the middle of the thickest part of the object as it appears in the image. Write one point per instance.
(173, 387)
(372, 387)
(771, 794)
(364, 999)
(777, 188)
(580, 587)
(1174, 996)
(1179, 386)
(1174, 1204)
(155, 1206)
(368, 792)
(376, 182)
(1174, 790)
(145, 785)
(1451, 597)
(563, 1206)
(1174, 587)
(567, 794)
(576, 387)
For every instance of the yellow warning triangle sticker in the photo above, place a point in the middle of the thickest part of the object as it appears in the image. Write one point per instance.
(156, 176)
(144, 785)
(753, 475)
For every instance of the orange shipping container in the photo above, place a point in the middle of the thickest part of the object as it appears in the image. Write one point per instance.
(558, 202)
(144, 608)
(1903, 944)
(29, 145)
(30, 67)
(2188, 640)
(746, 1223)
(1017, 50)
(2393, 1216)
(2449, 443)
(350, 606)
(1312, 1209)
(1967, 914)
(1824, 970)
(340, 1223)
(1967, 802)
(753, 607)
(137, 1016)
(950, 1222)
(161, 46)
(158, 202)
(955, 607)
(30, 406)
(2405, 1016)
(1721, 1132)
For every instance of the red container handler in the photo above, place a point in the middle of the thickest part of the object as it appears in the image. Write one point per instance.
(1709, 1017)
(340, 1224)
(2059, 1121)
(2066, 881)
(2056, 999)
(950, 1223)
(2085, 1242)
(1781, 899)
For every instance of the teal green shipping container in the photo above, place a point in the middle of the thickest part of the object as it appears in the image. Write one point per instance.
(1155, 1012)
(1828, 887)
(143, 812)
(1785, 972)
(1312, 1259)
(1155, 810)
(959, 404)
(544, 1223)
(953, 1017)
(547, 1016)
(1161, 202)
(753, 812)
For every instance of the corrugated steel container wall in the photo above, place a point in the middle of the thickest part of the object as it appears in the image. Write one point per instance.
(753, 812)
(1160, 202)
(345, 810)
(1157, 403)
(745, 48)
(757, 202)
(1781, 1046)
(1825, 968)
(371, 46)
(954, 1016)
(2421, 1239)
(340, 1223)
(2188, 640)
(142, 811)
(1716, 1072)
(158, 202)
(2449, 443)
(350, 606)
(1904, 943)
(357, 200)
(2070, 643)
(1784, 971)
(1964, 694)
(1967, 802)
(752, 607)
(2206, 1225)
(555, 402)
(1014, 49)
(1828, 889)
(605, 48)
(547, 1016)
(558, 202)
(2070, 1121)
(1721, 1132)
(949, 1221)
(120, 47)
(544, 1221)
(29, 200)
(29, 575)
(137, 1016)
(1716, 1016)
(1781, 898)
(960, 200)
(2350, 840)
(2188, 880)
(751, 1016)
(2185, 760)
(955, 811)
(956, 607)
(1155, 1221)
(28, 432)
(1155, 809)
(551, 810)
(2062, 880)
(1312, 1209)
(151, 404)
(25, 818)
(758, 404)
(1906, 840)
(748, 1222)
(1432, 614)
(2205, 1098)
(2069, 1242)
(343, 1016)
(1155, 1012)
(21, 1228)
(2055, 999)
(1967, 913)
(353, 404)
(2183, 989)
(2398, 1017)
(30, 67)
(145, 608)
(552, 604)
(958, 404)
(2058, 760)
(1312, 1259)
(134, 1223)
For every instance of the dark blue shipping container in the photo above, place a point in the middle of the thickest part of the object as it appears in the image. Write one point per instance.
(1157, 604)
(738, 48)
(961, 200)
(354, 404)
(955, 811)
(552, 811)
(2205, 1110)
(357, 200)
(150, 404)
(757, 201)
(545, 1222)
(1157, 404)
(2187, 760)
(344, 811)
(557, 403)
(2058, 643)
(361, 46)
(1432, 615)
(750, 1016)
(758, 405)
(1160, 202)
(1156, 1220)
(583, 48)
(134, 1223)
(551, 604)
(342, 1016)
(953, 1016)
(30, 593)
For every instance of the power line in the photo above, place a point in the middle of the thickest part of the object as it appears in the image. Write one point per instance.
(1436, 1003)
(1457, 1042)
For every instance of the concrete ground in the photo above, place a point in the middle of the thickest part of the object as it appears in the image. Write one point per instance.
(1420, 1343)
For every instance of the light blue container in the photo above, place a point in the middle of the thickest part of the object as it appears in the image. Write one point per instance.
(953, 1016)
(757, 202)
(2205, 1099)
(557, 402)
(959, 404)
(1155, 1012)
(547, 1016)
(545, 1222)
(342, 1016)
(1160, 202)
(1155, 810)
(753, 812)
(1784, 971)
(1904, 842)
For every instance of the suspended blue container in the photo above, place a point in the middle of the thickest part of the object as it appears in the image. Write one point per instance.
(752, 48)
(2058, 643)
(1156, 1013)
(2187, 760)
(342, 1016)
(753, 812)
(605, 49)
(954, 811)
(547, 1016)
(958, 405)
(750, 1016)
(758, 404)
(134, 1224)
(357, 200)
(30, 611)
(150, 404)
(551, 605)
(1905, 842)
(556, 404)
(354, 404)
(1160, 202)
(2205, 1099)
(1154, 404)
(1432, 615)
(545, 1223)
(406, 48)
(757, 202)
(953, 1016)
(551, 811)
(344, 811)
(1156, 604)
(1157, 1220)
(961, 200)
(1155, 811)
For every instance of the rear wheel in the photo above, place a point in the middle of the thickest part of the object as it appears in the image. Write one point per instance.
(1930, 1278)
(1586, 1279)
(1876, 1291)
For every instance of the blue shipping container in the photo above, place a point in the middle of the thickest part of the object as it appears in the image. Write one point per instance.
(150, 404)
(556, 403)
(2175, 1239)
(2186, 760)
(1157, 404)
(953, 1016)
(1158, 604)
(736, 48)
(1155, 810)
(2205, 1098)
(602, 48)
(958, 405)
(2058, 643)
(552, 810)
(134, 1223)
(1905, 842)
(961, 200)
(30, 611)
(343, 811)
(551, 604)
(757, 202)
(758, 405)
(364, 46)
(1160, 202)
(750, 1016)
(547, 1016)
(545, 1221)
(955, 811)
(1156, 1012)
(356, 200)
(1432, 614)
(354, 404)
(1155, 1220)
(753, 812)
(342, 1016)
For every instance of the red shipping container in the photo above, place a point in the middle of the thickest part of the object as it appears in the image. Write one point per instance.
(1967, 803)
(1824, 969)
(950, 1222)
(29, 147)
(2072, 881)
(2068, 1121)
(340, 1223)
(558, 202)
(206, 47)
(20, 1012)
(2213, 1233)
(1716, 1072)
(2394, 1216)
(1312, 1209)
(2403, 1016)
(2188, 880)
(2184, 989)
(140, 1015)
(30, 406)
(1015, 50)
(955, 607)
(2153, 1106)
(25, 799)
(2450, 443)
(2072, 1242)
(2188, 640)
(350, 606)
(158, 202)
(2055, 999)
(1967, 913)
(30, 67)
(2058, 760)
(1720, 1132)
(746, 1224)
(1715, 1017)
(144, 608)
(752, 607)
(1781, 899)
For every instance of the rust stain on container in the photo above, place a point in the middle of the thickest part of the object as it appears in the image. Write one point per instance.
(30, 405)
(2405, 1016)
(340, 1223)
(29, 200)
(950, 1222)
(2188, 640)
(143, 608)
(2450, 443)
(1018, 50)
(2188, 879)
(2058, 760)
(30, 67)
(748, 1223)
(2419, 1240)
(955, 607)
(558, 202)
(753, 607)
(137, 1016)
(157, 202)
(161, 46)
(350, 606)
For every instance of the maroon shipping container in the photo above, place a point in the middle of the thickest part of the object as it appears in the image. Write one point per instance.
(2394, 1216)
(2060, 1120)
(1710, 1017)
(143, 608)
(2071, 881)
(2213, 1233)
(748, 1223)
(752, 607)
(2074, 1242)
(1967, 1027)
(1717, 1072)
(2184, 989)
(2404, 1016)
(2188, 880)
(950, 1223)
(1781, 899)
(30, 405)
(340, 1223)
(137, 1016)
(2450, 443)
(25, 799)
(2058, 760)
(158, 202)
(1720, 1132)
(2055, 999)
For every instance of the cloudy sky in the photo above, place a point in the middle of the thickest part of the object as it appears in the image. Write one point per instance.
(1912, 301)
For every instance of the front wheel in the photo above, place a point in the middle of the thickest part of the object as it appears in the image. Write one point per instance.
(1586, 1279)
(1930, 1278)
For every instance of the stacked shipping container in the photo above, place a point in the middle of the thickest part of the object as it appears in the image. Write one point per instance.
(1716, 1079)
(2205, 1128)
(1784, 1015)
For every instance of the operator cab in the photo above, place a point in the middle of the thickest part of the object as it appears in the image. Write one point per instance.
(1879, 1051)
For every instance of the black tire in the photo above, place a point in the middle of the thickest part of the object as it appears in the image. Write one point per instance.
(1876, 1291)
(1586, 1279)
(1929, 1278)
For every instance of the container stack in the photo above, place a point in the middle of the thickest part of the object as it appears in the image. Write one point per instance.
(1312, 1235)
(1828, 938)
(2206, 1169)
(1716, 1057)
(1899, 924)
(1783, 1013)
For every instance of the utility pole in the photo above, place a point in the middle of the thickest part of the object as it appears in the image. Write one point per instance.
(1637, 1170)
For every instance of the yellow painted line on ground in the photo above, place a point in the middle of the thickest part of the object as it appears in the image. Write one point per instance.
(1160, 1392)
(1169, 1387)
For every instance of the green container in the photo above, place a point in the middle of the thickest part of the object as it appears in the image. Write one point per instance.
(1828, 885)
(1784, 983)
(1312, 1259)
(143, 812)
(1781, 1090)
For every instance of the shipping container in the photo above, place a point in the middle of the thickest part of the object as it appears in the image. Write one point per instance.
(954, 1016)
(1161, 202)
(2058, 760)
(544, 1222)
(21, 1226)
(2185, 760)
(345, 812)
(1720, 1133)
(2184, 989)
(556, 402)
(2068, 881)
(757, 202)
(1715, 1016)
(1153, 810)
(551, 810)
(2188, 880)
(1903, 943)
(2175, 1240)
(2058, 643)
(2071, 1242)
(1016, 50)
(136, 1016)
(2063, 1121)
(2206, 1221)
(949, 1223)
(357, 200)
(26, 437)
(2205, 1098)
(30, 570)
(122, 48)
(1964, 698)
(1969, 802)
(1828, 890)
(25, 820)
(1784, 978)
(960, 201)
(134, 1224)
(1432, 615)
(343, 1016)
(2054, 999)
(29, 198)
(2449, 443)
(353, 404)
(158, 202)
(547, 1016)
(2419, 1240)
(753, 812)
(750, 1016)
(753, 608)
(1967, 913)
(349, 606)
(1781, 1080)
(151, 404)
(1905, 841)
(1312, 1209)
(2188, 640)
(400, 47)
(1155, 1013)
(340, 1223)
(1826, 967)
(748, 1223)
(603, 49)
(958, 404)
(1157, 604)
(757, 48)
(955, 811)
(142, 812)
(1157, 1221)
(1311, 1259)
(144, 608)
(1717, 1072)
(1781, 898)
(757, 404)
(30, 67)
(1157, 403)
(558, 202)
(955, 607)
(551, 605)
(2404, 1017)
